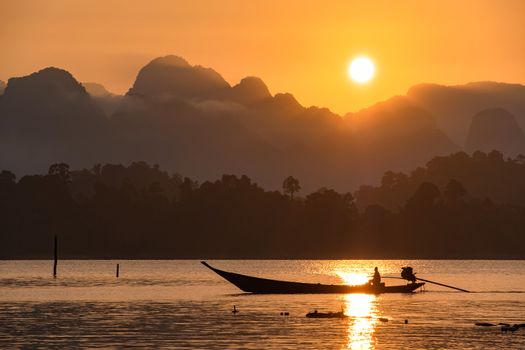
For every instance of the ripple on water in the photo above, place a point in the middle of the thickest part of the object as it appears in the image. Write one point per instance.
(190, 308)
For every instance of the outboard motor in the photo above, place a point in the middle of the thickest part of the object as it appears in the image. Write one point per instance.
(408, 274)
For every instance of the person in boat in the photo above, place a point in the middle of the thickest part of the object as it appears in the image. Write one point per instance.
(408, 274)
(376, 280)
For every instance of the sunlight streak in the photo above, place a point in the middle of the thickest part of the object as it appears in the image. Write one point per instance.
(361, 326)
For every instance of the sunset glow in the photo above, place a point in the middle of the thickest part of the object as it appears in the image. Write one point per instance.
(162, 161)
(304, 52)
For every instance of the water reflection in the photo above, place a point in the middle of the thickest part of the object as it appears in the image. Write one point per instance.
(363, 317)
(179, 305)
(353, 279)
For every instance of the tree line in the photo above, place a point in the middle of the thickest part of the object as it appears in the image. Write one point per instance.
(141, 211)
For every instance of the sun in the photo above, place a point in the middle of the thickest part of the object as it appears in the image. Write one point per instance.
(361, 69)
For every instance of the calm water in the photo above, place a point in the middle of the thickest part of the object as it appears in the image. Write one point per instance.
(183, 305)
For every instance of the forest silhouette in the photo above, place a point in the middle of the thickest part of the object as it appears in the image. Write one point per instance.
(457, 206)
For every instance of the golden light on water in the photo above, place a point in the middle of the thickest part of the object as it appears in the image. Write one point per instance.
(363, 318)
(353, 278)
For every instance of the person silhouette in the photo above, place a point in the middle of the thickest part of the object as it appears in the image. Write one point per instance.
(376, 280)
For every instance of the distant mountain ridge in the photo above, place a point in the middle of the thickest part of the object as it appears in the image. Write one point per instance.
(455, 106)
(173, 76)
(49, 116)
(495, 128)
(190, 120)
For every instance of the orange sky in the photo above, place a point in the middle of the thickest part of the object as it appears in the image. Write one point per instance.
(302, 47)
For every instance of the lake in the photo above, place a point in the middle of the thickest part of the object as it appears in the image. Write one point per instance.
(180, 304)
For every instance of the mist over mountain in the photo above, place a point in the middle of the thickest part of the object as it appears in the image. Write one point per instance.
(96, 90)
(454, 106)
(176, 114)
(190, 120)
(244, 129)
(106, 100)
(397, 134)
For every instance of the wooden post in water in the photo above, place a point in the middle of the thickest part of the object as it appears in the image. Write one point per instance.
(55, 257)
(117, 270)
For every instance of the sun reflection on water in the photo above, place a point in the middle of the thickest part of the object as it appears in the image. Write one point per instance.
(353, 278)
(363, 317)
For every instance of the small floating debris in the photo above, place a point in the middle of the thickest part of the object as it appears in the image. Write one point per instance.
(285, 314)
(505, 327)
(317, 314)
(406, 321)
(513, 328)
(484, 324)
(234, 311)
(383, 319)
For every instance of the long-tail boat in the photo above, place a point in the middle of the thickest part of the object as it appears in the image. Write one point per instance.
(258, 285)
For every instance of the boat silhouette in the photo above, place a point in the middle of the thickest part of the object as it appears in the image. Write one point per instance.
(258, 285)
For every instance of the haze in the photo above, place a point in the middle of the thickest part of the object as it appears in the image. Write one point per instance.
(293, 46)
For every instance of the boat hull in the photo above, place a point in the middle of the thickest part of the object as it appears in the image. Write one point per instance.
(258, 285)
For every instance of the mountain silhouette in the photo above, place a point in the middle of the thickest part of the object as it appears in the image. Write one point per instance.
(182, 116)
(454, 106)
(495, 129)
(219, 129)
(249, 91)
(174, 77)
(398, 135)
(394, 116)
(190, 120)
(267, 136)
(49, 117)
(2, 86)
